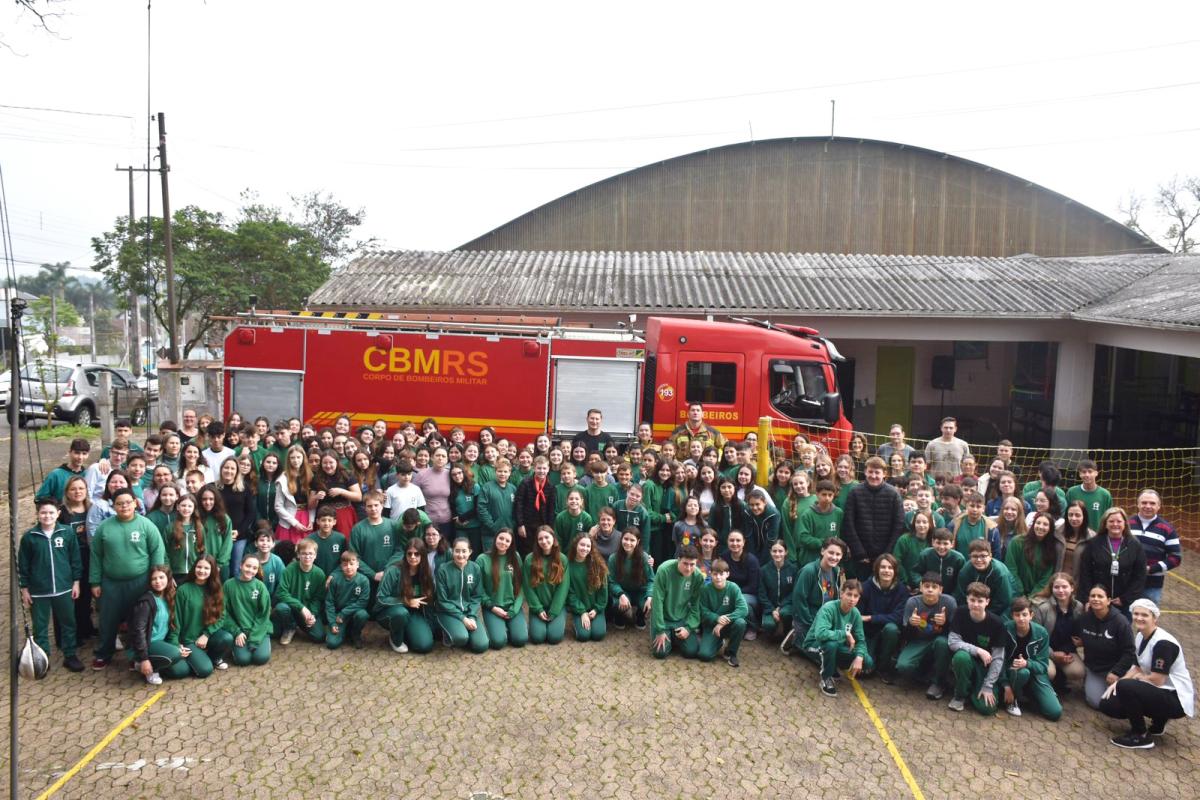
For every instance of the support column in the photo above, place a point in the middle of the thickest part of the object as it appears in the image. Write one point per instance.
(1073, 383)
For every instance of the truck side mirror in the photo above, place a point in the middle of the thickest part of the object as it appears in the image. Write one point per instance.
(833, 407)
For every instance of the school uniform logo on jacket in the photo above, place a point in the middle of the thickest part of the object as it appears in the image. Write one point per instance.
(724, 601)
(254, 594)
(337, 547)
(135, 536)
(58, 541)
(470, 580)
(358, 590)
(387, 540)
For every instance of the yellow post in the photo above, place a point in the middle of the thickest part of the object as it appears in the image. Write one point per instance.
(764, 450)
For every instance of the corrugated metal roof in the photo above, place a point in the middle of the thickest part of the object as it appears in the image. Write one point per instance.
(1125, 288)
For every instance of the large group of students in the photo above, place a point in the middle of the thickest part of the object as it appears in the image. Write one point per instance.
(212, 540)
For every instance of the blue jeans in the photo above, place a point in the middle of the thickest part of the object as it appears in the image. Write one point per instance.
(1153, 593)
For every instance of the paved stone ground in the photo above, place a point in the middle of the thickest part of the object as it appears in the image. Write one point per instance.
(577, 720)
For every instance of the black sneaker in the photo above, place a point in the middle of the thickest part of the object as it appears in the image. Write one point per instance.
(640, 624)
(73, 663)
(887, 676)
(1157, 728)
(1133, 741)
(732, 659)
(827, 687)
(619, 624)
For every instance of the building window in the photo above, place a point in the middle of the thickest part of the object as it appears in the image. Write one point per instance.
(712, 382)
(798, 389)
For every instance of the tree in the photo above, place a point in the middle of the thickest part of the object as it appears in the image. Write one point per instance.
(41, 14)
(331, 224)
(218, 265)
(47, 318)
(53, 279)
(1177, 203)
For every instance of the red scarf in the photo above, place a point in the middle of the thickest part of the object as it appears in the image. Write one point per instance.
(540, 487)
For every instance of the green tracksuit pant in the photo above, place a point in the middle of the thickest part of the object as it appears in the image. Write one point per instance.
(285, 619)
(163, 657)
(551, 632)
(116, 601)
(407, 626)
(969, 672)
(832, 656)
(200, 661)
(350, 629)
(688, 648)
(63, 608)
(245, 655)
(882, 645)
(637, 601)
(915, 655)
(456, 631)
(595, 633)
(513, 631)
(731, 633)
(1037, 687)
(769, 626)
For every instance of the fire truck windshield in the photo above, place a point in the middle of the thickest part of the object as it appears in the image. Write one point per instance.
(798, 389)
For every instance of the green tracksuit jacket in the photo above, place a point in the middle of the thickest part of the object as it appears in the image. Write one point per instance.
(809, 595)
(908, 551)
(948, 566)
(218, 539)
(996, 577)
(495, 506)
(48, 563)
(638, 518)
(458, 591)
(181, 558)
(830, 626)
(189, 614)
(775, 587)
(727, 602)
(345, 596)
(300, 589)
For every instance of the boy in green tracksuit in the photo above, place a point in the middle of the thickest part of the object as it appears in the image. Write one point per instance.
(601, 492)
(990, 572)
(56, 482)
(723, 613)
(776, 583)
(301, 596)
(495, 504)
(270, 564)
(572, 521)
(567, 480)
(330, 543)
(942, 558)
(836, 638)
(123, 549)
(972, 526)
(926, 619)
(413, 523)
(374, 541)
(817, 583)
(1096, 499)
(346, 599)
(675, 608)
(458, 587)
(1027, 663)
(48, 570)
(817, 524)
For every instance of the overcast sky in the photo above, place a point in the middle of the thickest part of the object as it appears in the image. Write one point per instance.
(445, 120)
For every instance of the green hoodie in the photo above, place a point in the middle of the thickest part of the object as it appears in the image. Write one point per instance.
(182, 558)
(811, 593)
(218, 540)
(375, 545)
(248, 610)
(499, 596)
(638, 518)
(582, 598)
(299, 589)
(545, 597)
(458, 591)
(830, 626)
(189, 614)
(597, 497)
(676, 598)
(495, 506)
(996, 577)
(122, 551)
(776, 586)
(716, 603)
(48, 564)
(908, 551)
(329, 551)
(948, 566)
(1028, 579)
(344, 596)
(813, 527)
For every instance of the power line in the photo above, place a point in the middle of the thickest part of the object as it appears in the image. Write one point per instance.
(68, 111)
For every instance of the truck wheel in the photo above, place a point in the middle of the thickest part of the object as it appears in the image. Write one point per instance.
(138, 418)
(83, 417)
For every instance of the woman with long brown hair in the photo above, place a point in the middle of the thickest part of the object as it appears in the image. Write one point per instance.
(503, 599)
(199, 615)
(587, 589)
(294, 497)
(546, 587)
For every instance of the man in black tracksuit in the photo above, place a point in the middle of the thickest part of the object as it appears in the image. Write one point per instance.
(873, 518)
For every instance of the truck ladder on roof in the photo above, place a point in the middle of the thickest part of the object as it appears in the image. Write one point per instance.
(542, 327)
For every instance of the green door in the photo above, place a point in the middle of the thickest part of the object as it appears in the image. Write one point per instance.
(894, 388)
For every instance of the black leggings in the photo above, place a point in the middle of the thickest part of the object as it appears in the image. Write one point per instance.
(1135, 700)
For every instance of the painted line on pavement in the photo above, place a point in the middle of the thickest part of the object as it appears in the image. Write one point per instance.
(103, 743)
(887, 740)
(1176, 611)
(1195, 586)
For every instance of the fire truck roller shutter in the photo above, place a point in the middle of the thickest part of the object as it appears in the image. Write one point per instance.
(608, 384)
(274, 395)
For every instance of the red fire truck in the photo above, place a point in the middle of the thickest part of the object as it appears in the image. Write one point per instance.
(524, 377)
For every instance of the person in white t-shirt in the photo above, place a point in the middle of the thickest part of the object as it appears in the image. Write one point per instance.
(216, 453)
(403, 495)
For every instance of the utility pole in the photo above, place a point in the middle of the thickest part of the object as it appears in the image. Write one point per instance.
(92, 317)
(52, 345)
(135, 345)
(163, 169)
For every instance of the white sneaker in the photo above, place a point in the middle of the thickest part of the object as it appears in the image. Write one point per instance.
(222, 664)
(118, 644)
(285, 638)
(399, 648)
(154, 679)
(1014, 709)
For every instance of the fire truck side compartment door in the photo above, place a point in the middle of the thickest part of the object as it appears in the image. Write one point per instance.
(268, 393)
(608, 384)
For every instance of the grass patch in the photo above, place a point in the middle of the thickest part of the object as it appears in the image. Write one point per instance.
(56, 432)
